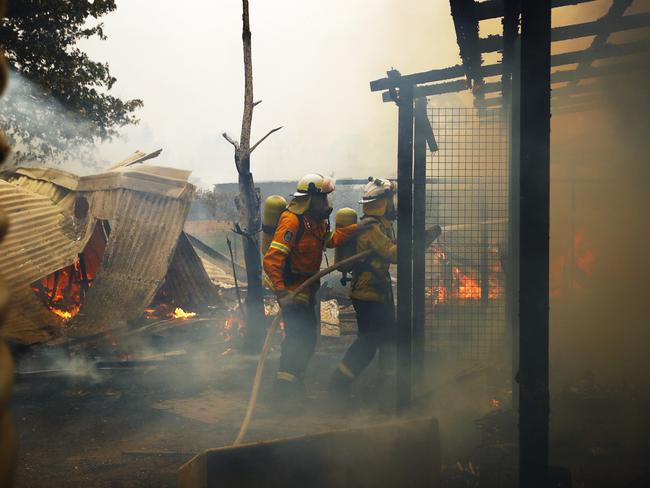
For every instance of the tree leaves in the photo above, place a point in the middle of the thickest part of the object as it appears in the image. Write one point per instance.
(63, 102)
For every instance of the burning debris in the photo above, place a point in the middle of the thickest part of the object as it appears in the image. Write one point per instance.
(575, 266)
(64, 291)
(454, 285)
(179, 313)
(88, 253)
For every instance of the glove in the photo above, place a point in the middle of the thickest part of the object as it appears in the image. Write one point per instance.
(285, 298)
(431, 234)
(288, 298)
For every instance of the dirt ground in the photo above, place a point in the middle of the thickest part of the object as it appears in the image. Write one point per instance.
(136, 427)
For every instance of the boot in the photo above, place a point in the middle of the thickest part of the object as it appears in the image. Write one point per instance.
(288, 395)
(339, 390)
(384, 392)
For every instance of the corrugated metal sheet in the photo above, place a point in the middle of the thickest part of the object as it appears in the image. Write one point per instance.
(169, 182)
(146, 207)
(187, 280)
(42, 238)
(144, 233)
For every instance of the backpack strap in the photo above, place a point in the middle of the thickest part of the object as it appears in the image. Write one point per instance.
(289, 275)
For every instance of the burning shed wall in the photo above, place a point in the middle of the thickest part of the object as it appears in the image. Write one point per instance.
(44, 236)
(53, 215)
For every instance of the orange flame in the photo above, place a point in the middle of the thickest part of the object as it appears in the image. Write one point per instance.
(65, 315)
(574, 267)
(64, 291)
(468, 289)
(179, 313)
(459, 285)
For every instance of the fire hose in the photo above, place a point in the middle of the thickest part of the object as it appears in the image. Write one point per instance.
(269, 335)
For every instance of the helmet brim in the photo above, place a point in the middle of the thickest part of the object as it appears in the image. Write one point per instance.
(303, 194)
(374, 199)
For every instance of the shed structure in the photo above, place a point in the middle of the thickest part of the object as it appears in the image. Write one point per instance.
(109, 241)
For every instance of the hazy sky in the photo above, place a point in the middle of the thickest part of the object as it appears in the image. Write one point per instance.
(312, 60)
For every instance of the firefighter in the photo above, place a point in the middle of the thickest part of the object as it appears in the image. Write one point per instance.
(294, 255)
(371, 288)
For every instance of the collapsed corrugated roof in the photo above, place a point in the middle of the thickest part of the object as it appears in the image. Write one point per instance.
(138, 211)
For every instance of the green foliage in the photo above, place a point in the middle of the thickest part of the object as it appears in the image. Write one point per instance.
(60, 101)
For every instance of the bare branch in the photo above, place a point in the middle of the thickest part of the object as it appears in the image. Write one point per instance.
(262, 139)
(255, 104)
(231, 141)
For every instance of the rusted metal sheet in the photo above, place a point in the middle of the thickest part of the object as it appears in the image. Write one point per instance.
(169, 182)
(144, 232)
(43, 237)
(396, 454)
(187, 279)
(53, 214)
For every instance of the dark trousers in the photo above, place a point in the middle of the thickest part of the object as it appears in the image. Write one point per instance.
(301, 332)
(376, 325)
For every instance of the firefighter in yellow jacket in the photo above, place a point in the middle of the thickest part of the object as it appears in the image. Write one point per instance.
(294, 255)
(371, 288)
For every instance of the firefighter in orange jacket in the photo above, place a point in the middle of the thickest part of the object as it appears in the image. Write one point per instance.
(294, 255)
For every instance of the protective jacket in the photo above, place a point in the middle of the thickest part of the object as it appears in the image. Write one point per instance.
(296, 251)
(371, 277)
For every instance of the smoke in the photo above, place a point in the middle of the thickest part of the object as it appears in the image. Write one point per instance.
(599, 215)
(42, 131)
(312, 78)
(58, 362)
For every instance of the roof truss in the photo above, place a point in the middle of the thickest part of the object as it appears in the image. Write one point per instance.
(471, 74)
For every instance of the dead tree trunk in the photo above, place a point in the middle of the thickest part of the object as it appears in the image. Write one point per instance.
(248, 202)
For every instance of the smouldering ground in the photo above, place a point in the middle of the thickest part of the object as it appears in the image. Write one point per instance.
(134, 428)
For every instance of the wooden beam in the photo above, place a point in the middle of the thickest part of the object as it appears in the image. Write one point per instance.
(606, 51)
(597, 72)
(421, 133)
(576, 31)
(562, 99)
(405, 246)
(574, 109)
(567, 75)
(615, 12)
(492, 9)
(534, 216)
(466, 26)
(435, 89)
(419, 78)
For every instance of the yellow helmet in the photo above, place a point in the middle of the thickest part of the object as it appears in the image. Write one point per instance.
(314, 184)
(378, 188)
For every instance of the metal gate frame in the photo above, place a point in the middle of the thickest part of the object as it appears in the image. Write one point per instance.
(526, 96)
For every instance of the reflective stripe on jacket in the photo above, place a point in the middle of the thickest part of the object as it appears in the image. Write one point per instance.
(371, 278)
(289, 261)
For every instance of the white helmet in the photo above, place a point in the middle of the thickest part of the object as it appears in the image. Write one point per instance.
(377, 188)
(314, 184)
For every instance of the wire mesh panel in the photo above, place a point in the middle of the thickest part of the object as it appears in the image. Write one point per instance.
(466, 194)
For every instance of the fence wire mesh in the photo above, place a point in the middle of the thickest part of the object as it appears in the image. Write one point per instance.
(467, 195)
